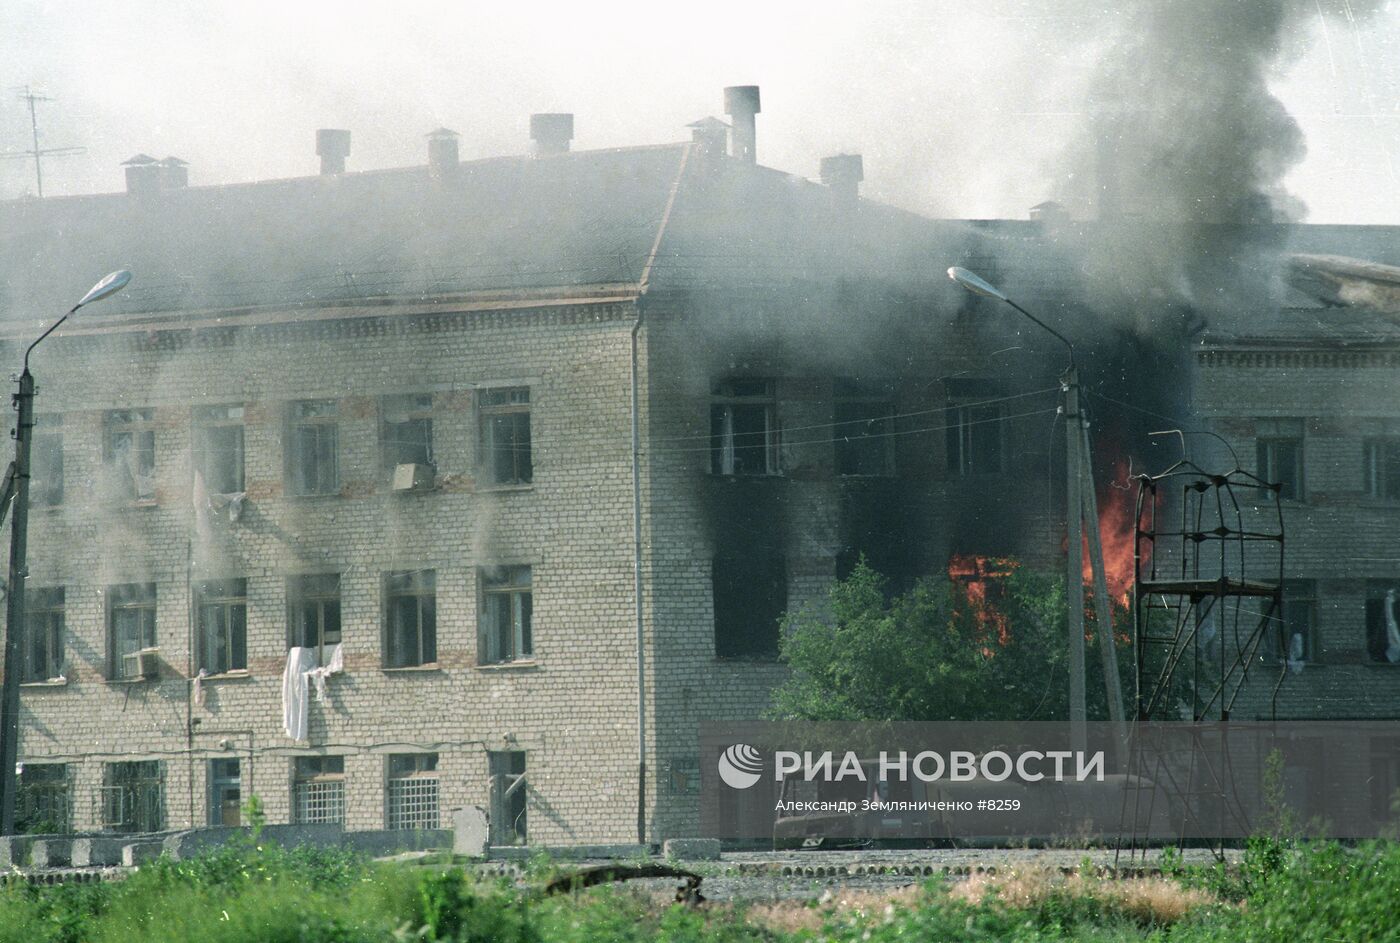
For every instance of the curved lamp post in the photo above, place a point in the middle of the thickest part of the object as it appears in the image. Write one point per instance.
(1081, 515)
(16, 494)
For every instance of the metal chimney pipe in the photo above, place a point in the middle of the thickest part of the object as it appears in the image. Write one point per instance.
(741, 104)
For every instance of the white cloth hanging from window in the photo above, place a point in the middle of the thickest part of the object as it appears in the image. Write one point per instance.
(1392, 631)
(334, 666)
(300, 662)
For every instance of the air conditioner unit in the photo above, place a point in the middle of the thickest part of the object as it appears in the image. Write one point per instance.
(412, 477)
(143, 664)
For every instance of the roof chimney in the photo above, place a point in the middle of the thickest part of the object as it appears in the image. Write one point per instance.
(741, 104)
(709, 136)
(332, 146)
(174, 173)
(551, 133)
(143, 175)
(442, 152)
(1049, 214)
(843, 174)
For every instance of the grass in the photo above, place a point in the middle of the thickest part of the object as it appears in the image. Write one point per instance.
(1285, 892)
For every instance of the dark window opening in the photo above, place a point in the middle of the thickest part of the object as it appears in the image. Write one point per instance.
(221, 621)
(863, 433)
(313, 613)
(744, 428)
(1297, 642)
(974, 438)
(46, 465)
(218, 448)
(225, 793)
(1383, 622)
(412, 618)
(505, 436)
(44, 645)
(507, 607)
(1381, 468)
(131, 625)
(313, 458)
(1279, 453)
(508, 798)
(407, 432)
(130, 452)
(750, 596)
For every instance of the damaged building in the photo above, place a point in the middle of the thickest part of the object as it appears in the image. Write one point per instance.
(384, 493)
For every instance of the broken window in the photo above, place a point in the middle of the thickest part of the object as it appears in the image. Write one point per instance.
(43, 803)
(863, 433)
(221, 620)
(413, 790)
(974, 429)
(1383, 621)
(312, 458)
(44, 645)
(508, 797)
(1381, 468)
(130, 452)
(218, 448)
(407, 430)
(46, 463)
(412, 618)
(750, 596)
(505, 436)
(1298, 641)
(133, 796)
(131, 627)
(318, 790)
(506, 611)
(225, 793)
(744, 428)
(313, 613)
(1279, 451)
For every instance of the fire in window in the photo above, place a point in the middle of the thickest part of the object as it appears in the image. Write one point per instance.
(131, 452)
(225, 793)
(318, 790)
(507, 608)
(508, 797)
(46, 463)
(504, 415)
(412, 618)
(413, 790)
(1279, 451)
(407, 431)
(131, 627)
(863, 433)
(1383, 622)
(218, 448)
(1381, 468)
(43, 803)
(133, 796)
(750, 595)
(221, 620)
(44, 645)
(313, 456)
(313, 613)
(744, 428)
(974, 429)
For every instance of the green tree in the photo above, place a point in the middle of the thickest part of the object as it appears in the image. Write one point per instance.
(938, 652)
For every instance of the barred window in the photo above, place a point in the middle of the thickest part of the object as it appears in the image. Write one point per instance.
(507, 612)
(505, 436)
(131, 626)
(43, 804)
(218, 448)
(221, 618)
(411, 618)
(313, 613)
(318, 790)
(313, 454)
(413, 790)
(132, 797)
(130, 452)
(44, 646)
(407, 431)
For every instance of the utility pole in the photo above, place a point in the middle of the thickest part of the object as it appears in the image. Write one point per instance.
(14, 603)
(1074, 557)
(31, 98)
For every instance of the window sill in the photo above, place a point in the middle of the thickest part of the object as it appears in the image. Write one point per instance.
(132, 680)
(240, 674)
(748, 659)
(524, 486)
(413, 669)
(522, 664)
(319, 496)
(59, 682)
(756, 476)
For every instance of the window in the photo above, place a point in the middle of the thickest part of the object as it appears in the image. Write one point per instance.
(130, 452)
(505, 436)
(412, 618)
(1385, 778)
(221, 620)
(43, 803)
(974, 428)
(1381, 468)
(1279, 451)
(225, 793)
(318, 790)
(1299, 637)
(413, 790)
(312, 464)
(744, 428)
(750, 594)
(133, 796)
(218, 448)
(508, 795)
(1383, 622)
(131, 627)
(506, 605)
(313, 613)
(407, 431)
(864, 427)
(46, 463)
(44, 645)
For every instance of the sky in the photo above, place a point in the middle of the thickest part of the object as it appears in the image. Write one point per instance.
(961, 108)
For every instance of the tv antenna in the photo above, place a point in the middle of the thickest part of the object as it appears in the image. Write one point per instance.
(31, 98)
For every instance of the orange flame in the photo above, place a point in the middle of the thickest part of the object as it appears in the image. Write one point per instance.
(978, 576)
(1117, 513)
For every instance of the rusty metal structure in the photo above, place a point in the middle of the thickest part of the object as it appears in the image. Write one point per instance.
(1207, 607)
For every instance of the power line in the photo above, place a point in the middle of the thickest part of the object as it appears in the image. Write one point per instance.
(30, 97)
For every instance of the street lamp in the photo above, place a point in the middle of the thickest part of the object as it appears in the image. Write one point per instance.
(16, 494)
(1081, 515)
